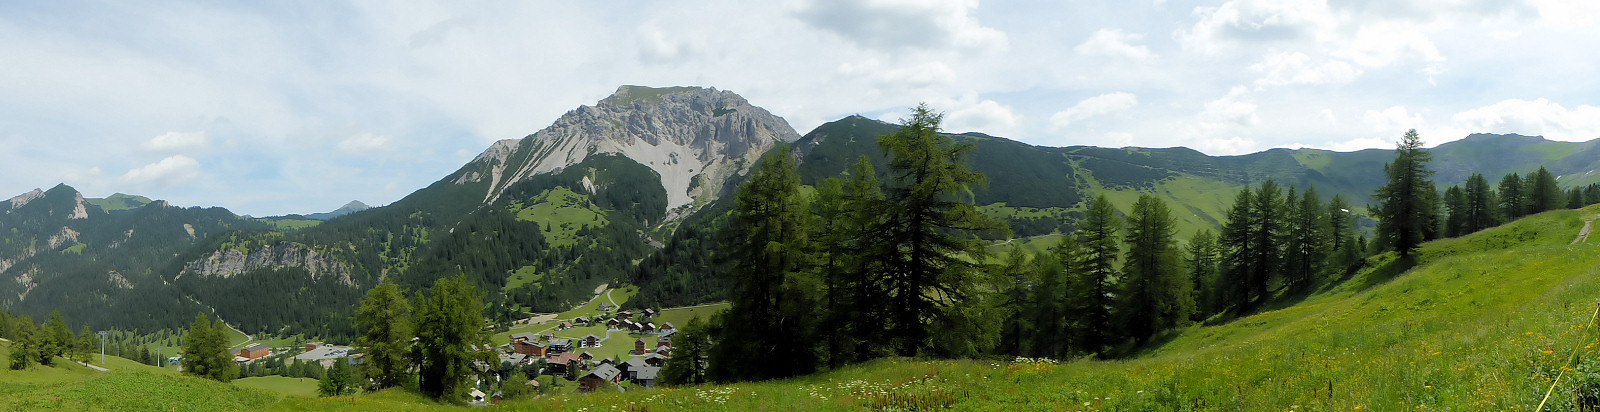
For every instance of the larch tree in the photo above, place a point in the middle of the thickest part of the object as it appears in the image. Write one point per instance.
(1305, 239)
(1203, 272)
(1154, 295)
(929, 228)
(1543, 192)
(772, 316)
(386, 328)
(1407, 211)
(1099, 235)
(1513, 200)
(1455, 212)
(1480, 204)
(449, 328)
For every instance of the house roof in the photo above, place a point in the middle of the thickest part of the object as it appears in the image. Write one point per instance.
(561, 342)
(646, 372)
(525, 335)
(256, 347)
(596, 337)
(606, 372)
(564, 357)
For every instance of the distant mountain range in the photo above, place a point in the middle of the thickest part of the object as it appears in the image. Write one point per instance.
(625, 190)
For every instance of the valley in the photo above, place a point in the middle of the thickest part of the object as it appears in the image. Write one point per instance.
(631, 205)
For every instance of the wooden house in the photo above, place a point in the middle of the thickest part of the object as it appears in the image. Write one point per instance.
(256, 351)
(597, 377)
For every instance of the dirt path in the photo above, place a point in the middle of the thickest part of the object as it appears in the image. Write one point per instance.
(1583, 235)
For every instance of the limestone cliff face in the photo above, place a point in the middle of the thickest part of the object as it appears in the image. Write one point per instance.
(695, 138)
(232, 262)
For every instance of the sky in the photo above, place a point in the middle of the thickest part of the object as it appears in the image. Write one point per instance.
(270, 108)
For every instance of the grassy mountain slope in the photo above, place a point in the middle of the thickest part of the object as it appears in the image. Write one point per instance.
(1482, 322)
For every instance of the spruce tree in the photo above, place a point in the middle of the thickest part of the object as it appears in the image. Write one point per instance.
(205, 351)
(55, 339)
(1341, 233)
(339, 380)
(1407, 212)
(928, 232)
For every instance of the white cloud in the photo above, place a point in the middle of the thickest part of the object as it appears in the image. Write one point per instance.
(1504, 35)
(1535, 117)
(1393, 120)
(902, 24)
(173, 170)
(365, 142)
(1382, 44)
(1287, 68)
(1235, 108)
(1255, 21)
(972, 114)
(1223, 146)
(1327, 115)
(912, 77)
(1115, 43)
(1093, 106)
(1568, 13)
(177, 142)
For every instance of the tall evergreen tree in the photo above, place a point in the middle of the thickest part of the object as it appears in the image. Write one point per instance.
(1575, 198)
(1051, 336)
(449, 326)
(1513, 200)
(1480, 204)
(1155, 294)
(1098, 235)
(1266, 235)
(56, 339)
(205, 350)
(1018, 284)
(1407, 212)
(771, 316)
(1237, 254)
(690, 348)
(1305, 239)
(1456, 210)
(386, 328)
(1543, 192)
(1203, 273)
(339, 381)
(1341, 233)
(929, 226)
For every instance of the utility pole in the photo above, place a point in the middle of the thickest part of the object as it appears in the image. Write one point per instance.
(102, 347)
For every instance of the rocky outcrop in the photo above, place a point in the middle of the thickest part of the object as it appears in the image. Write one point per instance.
(694, 138)
(232, 262)
(117, 280)
(62, 237)
(21, 200)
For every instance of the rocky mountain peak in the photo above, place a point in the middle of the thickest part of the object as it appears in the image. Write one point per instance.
(693, 137)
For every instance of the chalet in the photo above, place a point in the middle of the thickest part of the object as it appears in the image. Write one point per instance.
(667, 326)
(547, 336)
(651, 312)
(525, 343)
(644, 375)
(625, 314)
(607, 361)
(613, 323)
(515, 358)
(586, 356)
(560, 364)
(663, 342)
(647, 327)
(477, 395)
(606, 307)
(256, 351)
(631, 326)
(564, 326)
(558, 346)
(664, 350)
(591, 341)
(638, 347)
(599, 376)
(581, 320)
